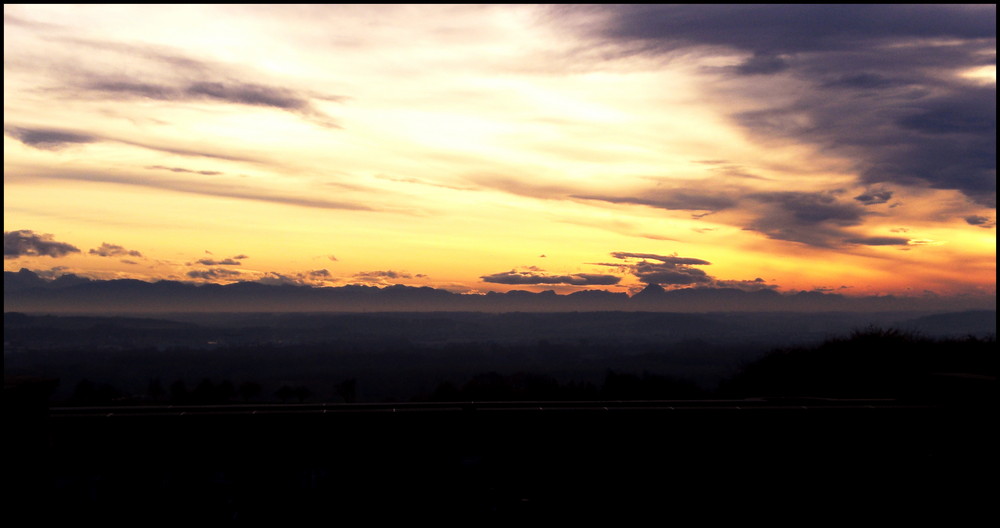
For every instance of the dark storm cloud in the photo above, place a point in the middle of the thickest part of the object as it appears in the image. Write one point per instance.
(887, 86)
(47, 138)
(813, 208)
(791, 28)
(668, 270)
(879, 241)
(874, 196)
(113, 250)
(816, 218)
(27, 243)
(531, 277)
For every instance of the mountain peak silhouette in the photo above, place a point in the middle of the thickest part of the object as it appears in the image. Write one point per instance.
(651, 291)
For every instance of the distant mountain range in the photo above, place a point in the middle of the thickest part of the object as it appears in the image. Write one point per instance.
(25, 291)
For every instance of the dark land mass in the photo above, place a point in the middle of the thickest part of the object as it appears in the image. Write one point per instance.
(403, 356)
(492, 419)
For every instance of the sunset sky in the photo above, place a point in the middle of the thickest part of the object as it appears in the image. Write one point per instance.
(840, 148)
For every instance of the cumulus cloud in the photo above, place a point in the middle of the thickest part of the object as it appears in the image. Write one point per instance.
(113, 250)
(273, 278)
(668, 270)
(980, 221)
(223, 262)
(229, 261)
(319, 277)
(215, 274)
(673, 271)
(533, 277)
(27, 243)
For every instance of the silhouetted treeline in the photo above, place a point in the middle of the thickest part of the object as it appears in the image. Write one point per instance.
(875, 363)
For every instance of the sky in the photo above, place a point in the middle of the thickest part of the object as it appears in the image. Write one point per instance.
(846, 148)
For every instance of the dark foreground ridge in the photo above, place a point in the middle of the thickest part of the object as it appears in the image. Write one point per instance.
(500, 462)
(881, 425)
